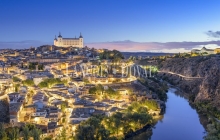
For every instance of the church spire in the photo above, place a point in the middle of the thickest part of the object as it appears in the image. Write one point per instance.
(60, 35)
(80, 35)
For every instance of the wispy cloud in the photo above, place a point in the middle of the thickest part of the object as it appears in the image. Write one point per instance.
(128, 45)
(215, 34)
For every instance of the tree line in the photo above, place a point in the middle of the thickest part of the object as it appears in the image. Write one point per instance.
(33, 66)
(26, 132)
(47, 83)
(116, 126)
(105, 93)
(113, 55)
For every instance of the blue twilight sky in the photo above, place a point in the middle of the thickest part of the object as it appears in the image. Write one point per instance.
(132, 24)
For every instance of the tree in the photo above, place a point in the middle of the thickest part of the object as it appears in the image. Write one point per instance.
(43, 84)
(36, 133)
(3, 135)
(102, 133)
(213, 130)
(17, 87)
(92, 90)
(13, 134)
(63, 120)
(16, 79)
(48, 138)
(25, 132)
(85, 132)
(65, 82)
(63, 134)
(28, 82)
(100, 89)
(32, 66)
(133, 97)
(117, 117)
(40, 66)
(94, 122)
(113, 138)
(151, 104)
(112, 93)
(144, 118)
(72, 137)
(47, 83)
(63, 106)
(31, 93)
(117, 59)
(194, 54)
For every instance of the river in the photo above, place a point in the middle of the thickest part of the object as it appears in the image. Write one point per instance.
(180, 122)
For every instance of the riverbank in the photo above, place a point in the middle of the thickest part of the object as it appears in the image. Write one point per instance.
(202, 115)
(158, 88)
(146, 132)
(207, 108)
(208, 115)
(180, 121)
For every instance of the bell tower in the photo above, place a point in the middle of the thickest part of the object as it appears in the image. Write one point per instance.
(81, 40)
(60, 40)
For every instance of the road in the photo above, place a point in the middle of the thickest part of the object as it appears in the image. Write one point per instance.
(183, 76)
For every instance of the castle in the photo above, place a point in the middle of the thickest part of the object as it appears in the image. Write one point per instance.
(205, 50)
(68, 42)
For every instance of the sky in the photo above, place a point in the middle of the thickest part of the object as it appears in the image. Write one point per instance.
(126, 25)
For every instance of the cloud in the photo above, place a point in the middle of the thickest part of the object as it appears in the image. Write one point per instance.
(213, 34)
(130, 46)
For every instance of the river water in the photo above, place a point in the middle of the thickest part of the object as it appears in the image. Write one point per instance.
(180, 122)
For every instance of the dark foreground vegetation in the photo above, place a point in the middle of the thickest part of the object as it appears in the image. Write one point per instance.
(213, 115)
(14, 133)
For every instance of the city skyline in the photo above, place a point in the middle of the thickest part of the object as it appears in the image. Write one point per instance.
(164, 26)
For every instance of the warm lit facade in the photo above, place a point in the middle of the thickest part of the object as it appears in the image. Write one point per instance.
(217, 50)
(68, 42)
(203, 50)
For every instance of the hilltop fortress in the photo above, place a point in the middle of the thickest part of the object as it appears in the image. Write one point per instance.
(68, 42)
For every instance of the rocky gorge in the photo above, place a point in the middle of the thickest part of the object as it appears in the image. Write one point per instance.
(201, 77)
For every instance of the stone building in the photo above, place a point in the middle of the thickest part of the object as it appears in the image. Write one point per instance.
(68, 42)
(203, 50)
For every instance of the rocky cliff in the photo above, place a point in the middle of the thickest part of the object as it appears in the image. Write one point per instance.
(200, 76)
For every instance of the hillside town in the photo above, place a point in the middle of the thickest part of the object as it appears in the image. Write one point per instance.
(109, 70)
(58, 88)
